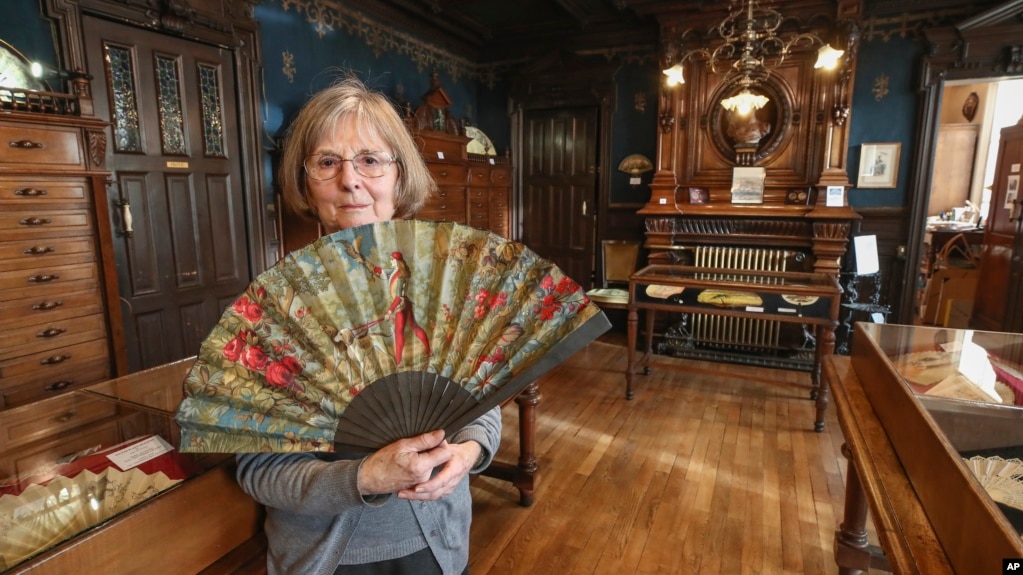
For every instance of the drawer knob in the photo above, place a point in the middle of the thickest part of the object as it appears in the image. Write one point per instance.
(43, 278)
(47, 305)
(26, 144)
(30, 192)
(65, 418)
(59, 385)
(38, 250)
(51, 332)
(55, 359)
(34, 221)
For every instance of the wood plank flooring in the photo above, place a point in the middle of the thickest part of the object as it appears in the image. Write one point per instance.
(711, 469)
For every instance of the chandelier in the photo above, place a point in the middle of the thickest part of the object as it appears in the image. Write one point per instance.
(749, 49)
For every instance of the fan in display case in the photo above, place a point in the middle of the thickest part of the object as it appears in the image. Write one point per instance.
(377, 333)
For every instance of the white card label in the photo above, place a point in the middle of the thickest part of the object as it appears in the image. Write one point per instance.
(139, 453)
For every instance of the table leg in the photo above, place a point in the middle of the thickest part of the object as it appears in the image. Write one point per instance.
(522, 476)
(651, 314)
(825, 347)
(853, 554)
(630, 353)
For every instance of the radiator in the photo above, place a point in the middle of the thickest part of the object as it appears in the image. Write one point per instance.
(741, 340)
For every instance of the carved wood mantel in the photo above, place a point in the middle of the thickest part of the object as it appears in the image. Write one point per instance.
(800, 140)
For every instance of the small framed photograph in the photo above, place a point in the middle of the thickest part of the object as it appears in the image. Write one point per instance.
(879, 165)
(748, 185)
(699, 195)
(835, 197)
(1011, 191)
(799, 196)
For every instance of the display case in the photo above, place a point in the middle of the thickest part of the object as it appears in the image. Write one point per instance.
(91, 481)
(933, 421)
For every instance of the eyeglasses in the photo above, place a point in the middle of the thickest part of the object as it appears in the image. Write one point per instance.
(328, 166)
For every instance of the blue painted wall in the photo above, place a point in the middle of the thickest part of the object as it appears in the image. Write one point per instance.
(316, 56)
(885, 100)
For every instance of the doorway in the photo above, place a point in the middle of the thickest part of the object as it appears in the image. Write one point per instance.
(559, 187)
(179, 218)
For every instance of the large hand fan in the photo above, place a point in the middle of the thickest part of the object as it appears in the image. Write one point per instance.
(377, 333)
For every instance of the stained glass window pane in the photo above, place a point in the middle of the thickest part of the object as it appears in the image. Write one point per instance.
(172, 133)
(212, 116)
(127, 137)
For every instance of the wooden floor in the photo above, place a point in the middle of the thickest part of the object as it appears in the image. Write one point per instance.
(711, 469)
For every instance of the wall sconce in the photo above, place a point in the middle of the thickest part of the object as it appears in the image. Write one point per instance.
(635, 165)
(750, 49)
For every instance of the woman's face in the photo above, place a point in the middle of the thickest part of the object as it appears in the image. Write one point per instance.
(351, 199)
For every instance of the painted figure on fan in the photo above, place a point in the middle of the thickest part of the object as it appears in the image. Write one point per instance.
(400, 311)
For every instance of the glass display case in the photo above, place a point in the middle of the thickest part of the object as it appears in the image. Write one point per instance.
(94, 478)
(937, 413)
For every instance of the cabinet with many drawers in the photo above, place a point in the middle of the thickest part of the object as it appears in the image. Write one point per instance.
(473, 189)
(59, 312)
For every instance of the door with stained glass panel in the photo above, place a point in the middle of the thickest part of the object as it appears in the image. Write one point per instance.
(177, 199)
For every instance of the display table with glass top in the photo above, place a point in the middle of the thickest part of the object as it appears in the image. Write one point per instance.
(810, 300)
(933, 423)
(91, 481)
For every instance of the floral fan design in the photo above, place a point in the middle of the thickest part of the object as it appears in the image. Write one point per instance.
(377, 333)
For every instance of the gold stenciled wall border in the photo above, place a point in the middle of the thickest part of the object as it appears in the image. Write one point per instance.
(909, 24)
(328, 16)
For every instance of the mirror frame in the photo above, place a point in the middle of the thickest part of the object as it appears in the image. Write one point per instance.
(977, 48)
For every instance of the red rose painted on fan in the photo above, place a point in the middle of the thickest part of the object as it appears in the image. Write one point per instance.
(248, 309)
(281, 374)
(234, 348)
(254, 359)
(567, 286)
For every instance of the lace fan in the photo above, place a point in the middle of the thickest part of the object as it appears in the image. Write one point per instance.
(381, 332)
(1001, 478)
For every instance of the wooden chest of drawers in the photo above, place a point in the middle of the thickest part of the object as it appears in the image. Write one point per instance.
(473, 189)
(59, 312)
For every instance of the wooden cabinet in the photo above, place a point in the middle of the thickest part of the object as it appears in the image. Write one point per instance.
(1001, 271)
(59, 312)
(62, 441)
(473, 189)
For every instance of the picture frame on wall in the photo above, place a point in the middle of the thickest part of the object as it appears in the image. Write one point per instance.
(879, 165)
(748, 185)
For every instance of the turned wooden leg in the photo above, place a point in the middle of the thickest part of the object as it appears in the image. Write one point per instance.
(825, 347)
(633, 322)
(523, 475)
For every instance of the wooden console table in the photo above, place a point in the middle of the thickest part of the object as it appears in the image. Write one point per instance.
(809, 299)
(907, 448)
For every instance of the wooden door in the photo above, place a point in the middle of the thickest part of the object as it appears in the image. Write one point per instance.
(559, 187)
(1000, 266)
(174, 156)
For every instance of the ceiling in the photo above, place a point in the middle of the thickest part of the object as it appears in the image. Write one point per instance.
(496, 30)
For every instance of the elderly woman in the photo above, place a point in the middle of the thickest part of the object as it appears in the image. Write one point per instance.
(349, 160)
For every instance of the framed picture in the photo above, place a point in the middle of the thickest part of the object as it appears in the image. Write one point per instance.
(879, 165)
(748, 185)
(699, 195)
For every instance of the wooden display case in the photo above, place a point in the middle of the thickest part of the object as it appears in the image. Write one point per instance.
(76, 495)
(916, 404)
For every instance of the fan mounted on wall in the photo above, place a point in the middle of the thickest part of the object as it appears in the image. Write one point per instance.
(381, 332)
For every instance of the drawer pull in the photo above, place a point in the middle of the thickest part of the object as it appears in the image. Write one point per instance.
(59, 385)
(65, 418)
(38, 250)
(34, 221)
(51, 332)
(30, 192)
(55, 359)
(26, 144)
(47, 305)
(43, 278)
(443, 173)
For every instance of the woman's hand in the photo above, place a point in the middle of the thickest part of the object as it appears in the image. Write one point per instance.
(463, 457)
(403, 464)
